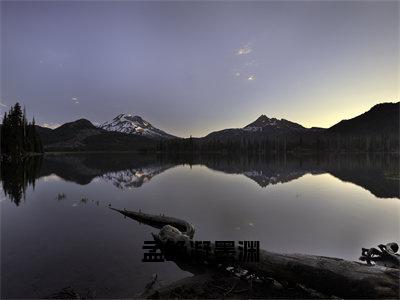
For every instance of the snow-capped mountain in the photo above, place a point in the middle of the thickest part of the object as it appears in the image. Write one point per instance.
(130, 124)
(265, 123)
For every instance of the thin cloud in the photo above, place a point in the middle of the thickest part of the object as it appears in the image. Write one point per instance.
(251, 63)
(246, 49)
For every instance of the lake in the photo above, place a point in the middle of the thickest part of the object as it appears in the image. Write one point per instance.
(57, 229)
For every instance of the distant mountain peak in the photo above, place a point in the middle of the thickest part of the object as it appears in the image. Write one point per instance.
(133, 124)
(132, 118)
(265, 119)
(80, 123)
(264, 123)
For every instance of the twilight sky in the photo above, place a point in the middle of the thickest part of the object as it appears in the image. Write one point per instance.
(195, 67)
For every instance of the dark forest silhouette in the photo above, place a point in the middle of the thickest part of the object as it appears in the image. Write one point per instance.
(257, 144)
(18, 140)
(18, 137)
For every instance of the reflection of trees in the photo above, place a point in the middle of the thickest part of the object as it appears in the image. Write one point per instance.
(17, 173)
(377, 173)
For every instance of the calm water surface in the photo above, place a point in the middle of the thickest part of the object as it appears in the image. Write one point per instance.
(331, 206)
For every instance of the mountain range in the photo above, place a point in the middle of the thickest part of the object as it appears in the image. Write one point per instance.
(264, 126)
(82, 135)
(380, 119)
(129, 132)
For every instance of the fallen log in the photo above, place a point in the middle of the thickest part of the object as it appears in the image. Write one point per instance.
(159, 221)
(330, 276)
(327, 275)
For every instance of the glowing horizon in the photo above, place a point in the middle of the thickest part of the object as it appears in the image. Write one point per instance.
(191, 68)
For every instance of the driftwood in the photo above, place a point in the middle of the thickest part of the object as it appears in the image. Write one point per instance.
(326, 275)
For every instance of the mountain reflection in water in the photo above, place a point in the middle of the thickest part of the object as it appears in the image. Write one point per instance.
(63, 234)
(378, 174)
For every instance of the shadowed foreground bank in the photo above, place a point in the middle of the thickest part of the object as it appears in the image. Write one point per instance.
(274, 275)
